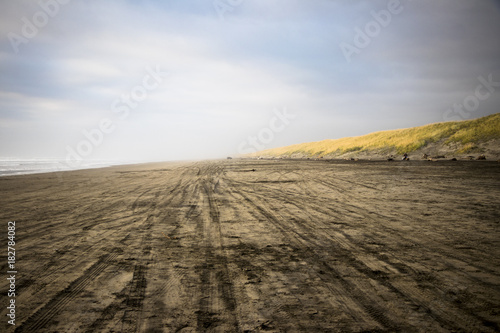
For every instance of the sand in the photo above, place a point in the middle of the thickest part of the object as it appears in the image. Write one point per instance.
(256, 246)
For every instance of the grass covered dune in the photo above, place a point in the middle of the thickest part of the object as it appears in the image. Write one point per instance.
(455, 138)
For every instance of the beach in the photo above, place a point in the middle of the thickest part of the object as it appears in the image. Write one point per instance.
(255, 246)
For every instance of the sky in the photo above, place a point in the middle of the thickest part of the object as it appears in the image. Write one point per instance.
(152, 80)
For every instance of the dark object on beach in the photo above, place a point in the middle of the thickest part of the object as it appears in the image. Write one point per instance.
(253, 170)
(229, 158)
(425, 156)
(405, 157)
(470, 158)
(453, 159)
(438, 156)
(390, 159)
(481, 158)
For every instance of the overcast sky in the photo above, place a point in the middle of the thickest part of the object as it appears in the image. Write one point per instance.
(170, 80)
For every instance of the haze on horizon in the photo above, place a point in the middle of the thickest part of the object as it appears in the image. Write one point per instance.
(196, 79)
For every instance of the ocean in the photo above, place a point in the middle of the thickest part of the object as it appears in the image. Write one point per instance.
(12, 166)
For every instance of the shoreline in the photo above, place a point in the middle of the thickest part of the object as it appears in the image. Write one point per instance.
(13, 172)
(14, 167)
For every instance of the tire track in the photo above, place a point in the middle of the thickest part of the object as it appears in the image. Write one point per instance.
(301, 241)
(57, 265)
(42, 318)
(141, 298)
(132, 317)
(444, 252)
(217, 304)
(410, 295)
(134, 297)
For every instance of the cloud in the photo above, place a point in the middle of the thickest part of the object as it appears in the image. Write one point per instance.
(225, 77)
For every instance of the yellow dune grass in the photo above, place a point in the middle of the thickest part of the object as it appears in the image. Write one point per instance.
(467, 134)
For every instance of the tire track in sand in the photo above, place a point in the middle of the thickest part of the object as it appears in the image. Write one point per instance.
(41, 318)
(300, 240)
(217, 304)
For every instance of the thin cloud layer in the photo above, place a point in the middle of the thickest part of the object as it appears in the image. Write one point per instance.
(225, 73)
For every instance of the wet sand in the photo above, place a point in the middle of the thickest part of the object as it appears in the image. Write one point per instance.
(256, 246)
